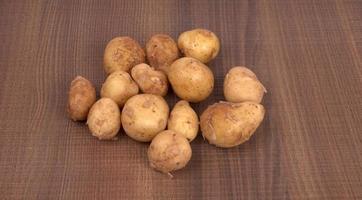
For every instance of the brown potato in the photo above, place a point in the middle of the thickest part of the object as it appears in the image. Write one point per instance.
(169, 151)
(161, 51)
(122, 53)
(119, 86)
(81, 97)
(183, 119)
(190, 79)
(150, 80)
(241, 84)
(143, 116)
(228, 124)
(199, 43)
(104, 119)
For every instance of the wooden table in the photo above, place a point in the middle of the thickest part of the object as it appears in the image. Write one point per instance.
(306, 52)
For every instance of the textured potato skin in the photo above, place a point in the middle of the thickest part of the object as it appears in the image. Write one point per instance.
(183, 119)
(241, 84)
(81, 97)
(226, 124)
(169, 151)
(143, 116)
(104, 119)
(119, 86)
(149, 80)
(190, 79)
(201, 44)
(122, 53)
(161, 51)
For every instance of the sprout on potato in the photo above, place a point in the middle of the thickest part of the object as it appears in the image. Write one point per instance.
(228, 124)
(143, 116)
(169, 151)
(122, 53)
(81, 97)
(150, 80)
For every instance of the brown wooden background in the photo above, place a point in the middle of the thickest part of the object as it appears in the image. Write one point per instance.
(306, 52)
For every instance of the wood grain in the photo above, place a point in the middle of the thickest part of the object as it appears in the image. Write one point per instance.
(307, 53)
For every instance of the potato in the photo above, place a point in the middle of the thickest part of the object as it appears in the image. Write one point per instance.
(81, 97)
(161, 51)
(143, 116)
(190, 79)
(119, 86)
(169, 151)
(228, 124)
(201, 44)
(241, 84)
(183, 119)
(122, 53)
(150, 80)
(104, 119)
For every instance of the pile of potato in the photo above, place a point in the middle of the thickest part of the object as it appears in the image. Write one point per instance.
(145, 117)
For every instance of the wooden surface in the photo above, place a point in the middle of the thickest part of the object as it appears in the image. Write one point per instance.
(306, 52)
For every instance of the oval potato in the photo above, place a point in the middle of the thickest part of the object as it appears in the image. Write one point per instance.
(169, 151)
(122, 53)
(143, 116)
(190, 79)
(104, 119)
(149, 80)
(199, 43)
(81, 97)
(241, 84)
(228, 124)
(183, 119)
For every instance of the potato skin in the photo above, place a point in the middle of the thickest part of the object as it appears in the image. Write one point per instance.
(122, 53)
(241, 84)
(161, 51)
(104, 119)
(143, 116)
(190, 79)
(169, 151)
(149, 80)
(199, 43)
(226, 124)
(183, 119)
(81, 97)
(119, 86)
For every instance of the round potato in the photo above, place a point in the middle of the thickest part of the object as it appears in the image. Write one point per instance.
(143, 116)
(122, 53)
(150, 80)
(201, 44)
(169, 151)
(119, 86)
(241, 84)
(104, 119)
(183, 119)
(81, 97)
(190, 79)
(228, 124)
(161, 51)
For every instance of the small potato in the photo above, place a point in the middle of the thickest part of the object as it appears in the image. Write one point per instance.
(119, 86)
(104, 119)
(201, 44)
(161, 51)
(228, 124)
(143, 116)
(169, 151)
(183, 119)
(122, 53)
(150, 80)
(241, 84)
(190, 79)
(81, 97)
